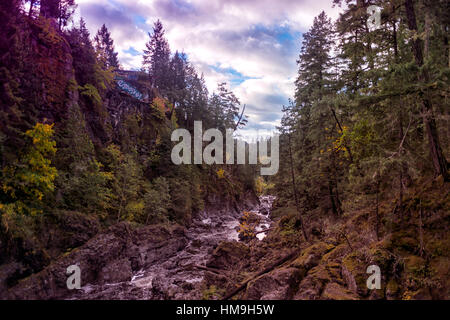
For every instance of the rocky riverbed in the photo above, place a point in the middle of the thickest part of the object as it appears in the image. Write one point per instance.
(152, 262)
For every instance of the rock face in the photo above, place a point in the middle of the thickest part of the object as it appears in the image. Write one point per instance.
(59, 233)
(227, 255)
(277, 285)
(148, 262)
(108, 257)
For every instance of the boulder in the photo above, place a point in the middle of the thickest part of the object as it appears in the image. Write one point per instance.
(279, 284)
(311, 256)
(109, 257)
(227, 255)
(334, 291)
(116, 271)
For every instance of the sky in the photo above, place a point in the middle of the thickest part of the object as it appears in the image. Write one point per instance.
(252, 45)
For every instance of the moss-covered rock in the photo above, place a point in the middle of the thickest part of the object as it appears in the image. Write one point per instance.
(312, 255)
(336, 254)
(440, 269)
(404, 241)
(279, 284)
(354, 272)
(334, 291)
(414, 264)
(382, 258)
(228, 254)
(392, 290)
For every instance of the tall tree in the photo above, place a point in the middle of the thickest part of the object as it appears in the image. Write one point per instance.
(83, 53)
(318, 119)
(157, 58)
(104, 47)
(439, 162)
(66, 10)
(225, 107)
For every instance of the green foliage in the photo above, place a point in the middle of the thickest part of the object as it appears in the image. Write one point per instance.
(356, 127)
(83, 184)
(213, 293)
(27, 181)
(104, 47)
(127, 184)
(91, 92)
(262, 187)
(157, 200)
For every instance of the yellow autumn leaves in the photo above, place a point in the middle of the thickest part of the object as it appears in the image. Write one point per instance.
(32, 176)
(220, 173)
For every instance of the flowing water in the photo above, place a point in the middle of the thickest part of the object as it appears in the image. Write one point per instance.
(178, 277)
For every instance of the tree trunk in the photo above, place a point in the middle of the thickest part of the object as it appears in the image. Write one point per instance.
(294, 189)
(30, 11)
(421, 230)
(377, 212)
(333, 112)
(437, 156)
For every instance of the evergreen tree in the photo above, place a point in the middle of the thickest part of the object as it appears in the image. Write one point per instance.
(104, 47)
(83, 52)
(224, 106)
(66, 10)
(157, 59)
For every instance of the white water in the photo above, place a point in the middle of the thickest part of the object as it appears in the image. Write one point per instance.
(175, 278)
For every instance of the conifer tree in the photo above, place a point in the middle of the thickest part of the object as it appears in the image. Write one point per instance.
(157, 58)
(104, 47)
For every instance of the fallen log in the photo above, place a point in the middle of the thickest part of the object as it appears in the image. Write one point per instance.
(280, 261)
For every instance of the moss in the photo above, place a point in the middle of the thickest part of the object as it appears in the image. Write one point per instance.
(413, 264)
(392, 289)
(334, 270)
(212, 293)
(352, 261)
(320, 273)
(441, 267)
(355, 263)
(334, 291)
(282, 212)
(311, 256)
(439, 247)
(336, 253)
(405, 240)
(381, 258)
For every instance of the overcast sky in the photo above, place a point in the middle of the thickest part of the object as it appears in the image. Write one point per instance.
(252, 45)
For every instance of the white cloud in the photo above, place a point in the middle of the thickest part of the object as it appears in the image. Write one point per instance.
(238, 34)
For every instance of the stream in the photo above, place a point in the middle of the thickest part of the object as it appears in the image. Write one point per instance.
(175, 277)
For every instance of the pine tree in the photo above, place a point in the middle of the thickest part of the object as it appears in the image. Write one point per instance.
(104, 47)
(318, 122)
(65, 12)
(224, 107)
(83, 54)
(439, 161)
(157, 59)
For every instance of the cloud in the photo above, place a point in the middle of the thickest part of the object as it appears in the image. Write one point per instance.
(252, 45)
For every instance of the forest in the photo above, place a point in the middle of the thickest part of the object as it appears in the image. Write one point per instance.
(87, 179)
